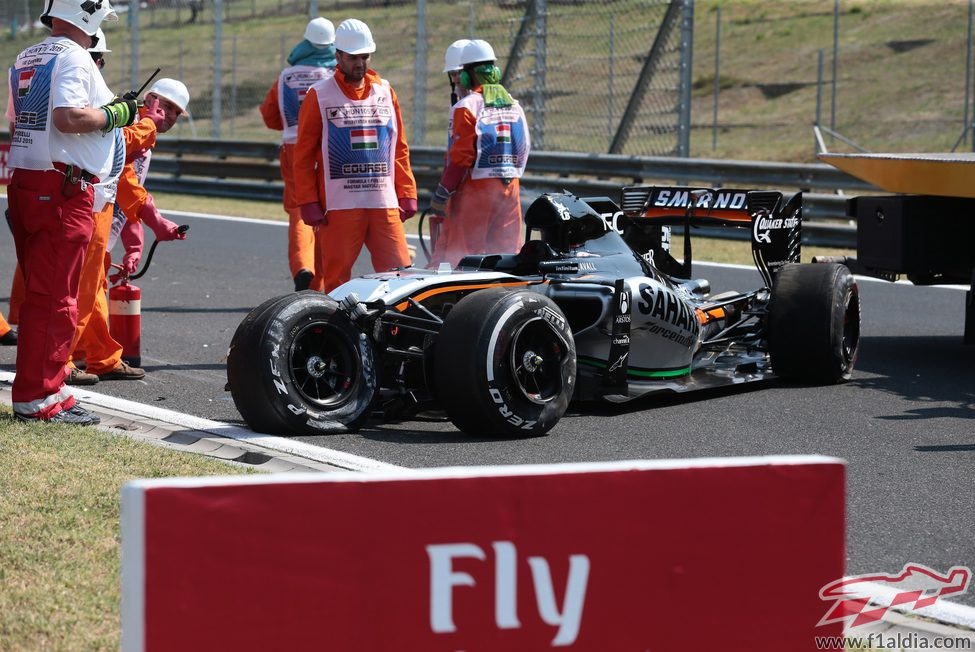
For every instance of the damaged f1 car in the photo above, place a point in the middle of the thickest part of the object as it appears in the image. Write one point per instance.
(594, 306)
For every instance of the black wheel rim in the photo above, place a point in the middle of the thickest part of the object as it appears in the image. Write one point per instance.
(851, 326)
(538, 354)
(325, 365)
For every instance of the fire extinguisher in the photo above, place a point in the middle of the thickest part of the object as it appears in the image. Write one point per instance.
(125, 310)
(125, 320)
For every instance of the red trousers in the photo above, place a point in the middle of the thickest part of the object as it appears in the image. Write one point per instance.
(51, 224)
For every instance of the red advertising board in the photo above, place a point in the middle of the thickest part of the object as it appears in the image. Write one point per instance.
(716, 554)
(5, 172)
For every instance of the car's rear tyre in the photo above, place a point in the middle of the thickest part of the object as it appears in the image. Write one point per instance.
(814, 323)
(298, 365)
(505, 364)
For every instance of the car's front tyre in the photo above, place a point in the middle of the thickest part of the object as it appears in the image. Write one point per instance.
(299, 366)
(505, 364)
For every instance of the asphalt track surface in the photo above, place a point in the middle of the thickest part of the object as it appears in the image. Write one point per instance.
(905, 424)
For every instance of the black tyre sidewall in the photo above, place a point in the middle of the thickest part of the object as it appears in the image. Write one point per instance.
(497, 408)
(806, 327)
(243, 365)
(276, 398)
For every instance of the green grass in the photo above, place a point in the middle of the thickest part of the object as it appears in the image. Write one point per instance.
(59, 529)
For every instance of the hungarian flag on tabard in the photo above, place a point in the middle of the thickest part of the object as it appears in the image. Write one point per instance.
(23, 84)
(365, 139)
(504, 133)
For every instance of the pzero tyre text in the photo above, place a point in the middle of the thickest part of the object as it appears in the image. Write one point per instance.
(505, 364)
(302, 367)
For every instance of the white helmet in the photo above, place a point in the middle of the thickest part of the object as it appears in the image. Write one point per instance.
(451, 59)
(353, 37)
(86, 15)
(173, 90)
(101, 44)
(476, 51)
(320, 31)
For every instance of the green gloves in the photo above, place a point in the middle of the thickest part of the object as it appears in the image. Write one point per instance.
(120, 113)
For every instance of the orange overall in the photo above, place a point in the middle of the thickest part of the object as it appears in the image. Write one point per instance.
(4, 326)
(101, 351)
(301, 237)
(346, 230)
(483, 215)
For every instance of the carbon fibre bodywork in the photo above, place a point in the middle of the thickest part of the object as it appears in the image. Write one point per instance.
(639, 327)
(593, 306)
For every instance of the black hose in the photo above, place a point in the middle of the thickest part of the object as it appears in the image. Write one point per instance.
(145, 268)
(419, 232)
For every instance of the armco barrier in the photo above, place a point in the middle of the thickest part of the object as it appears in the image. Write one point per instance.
(709, 554)
(249, 170)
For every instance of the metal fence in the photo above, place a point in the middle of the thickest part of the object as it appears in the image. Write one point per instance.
(582, 70)
(893, 75)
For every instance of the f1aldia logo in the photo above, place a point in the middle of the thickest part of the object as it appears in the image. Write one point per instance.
(864, 599)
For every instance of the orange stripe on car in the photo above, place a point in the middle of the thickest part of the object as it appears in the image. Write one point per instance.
(403, 305)
(706, 316)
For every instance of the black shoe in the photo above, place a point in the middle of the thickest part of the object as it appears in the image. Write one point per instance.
(303, 280)
(81, 412)
(9, 338)
(75, 416)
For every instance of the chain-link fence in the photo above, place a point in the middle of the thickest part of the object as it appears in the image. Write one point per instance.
(596, 76)
(573, 65)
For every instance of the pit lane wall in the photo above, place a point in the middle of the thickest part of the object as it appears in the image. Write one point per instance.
(709, 554)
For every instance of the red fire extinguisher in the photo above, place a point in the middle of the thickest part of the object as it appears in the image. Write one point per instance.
(125, 320)
(125, 310)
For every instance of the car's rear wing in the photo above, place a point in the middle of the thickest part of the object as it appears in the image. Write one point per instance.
(775, 224)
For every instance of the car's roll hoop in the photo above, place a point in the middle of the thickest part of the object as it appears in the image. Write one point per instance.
(563, 220)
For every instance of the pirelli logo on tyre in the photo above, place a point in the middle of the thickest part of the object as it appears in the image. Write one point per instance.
(551, 317)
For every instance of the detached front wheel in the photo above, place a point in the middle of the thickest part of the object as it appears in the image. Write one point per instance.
(505, 364)
(300, 366)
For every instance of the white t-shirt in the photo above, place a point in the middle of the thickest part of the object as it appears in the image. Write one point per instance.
(61, 72)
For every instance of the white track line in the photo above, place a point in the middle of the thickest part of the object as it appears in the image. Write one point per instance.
(299, 448)
(942, 611)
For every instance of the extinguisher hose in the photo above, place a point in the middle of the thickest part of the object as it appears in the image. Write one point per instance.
(419, 232)
(182, 229)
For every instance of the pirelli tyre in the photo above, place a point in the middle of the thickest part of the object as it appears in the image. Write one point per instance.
(505, 364)
(814, 323)
(298, 366)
